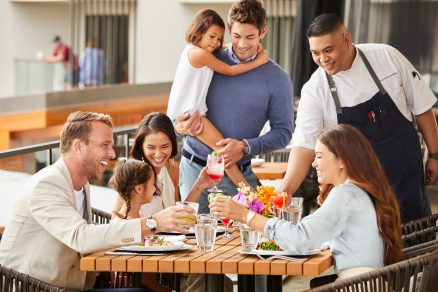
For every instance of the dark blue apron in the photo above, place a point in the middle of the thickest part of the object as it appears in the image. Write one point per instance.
(395, 142)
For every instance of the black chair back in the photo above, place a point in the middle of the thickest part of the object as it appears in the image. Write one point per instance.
(11, 280)
(414, 274)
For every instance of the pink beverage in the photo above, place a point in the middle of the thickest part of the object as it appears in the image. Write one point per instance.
(215, 177)
(225, 220)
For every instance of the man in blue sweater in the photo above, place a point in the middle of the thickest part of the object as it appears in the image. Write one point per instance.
(240, 106)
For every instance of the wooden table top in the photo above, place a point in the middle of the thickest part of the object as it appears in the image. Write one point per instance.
(270, 170)
(225, 259)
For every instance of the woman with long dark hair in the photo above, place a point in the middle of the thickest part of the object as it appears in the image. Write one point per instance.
(359, 215)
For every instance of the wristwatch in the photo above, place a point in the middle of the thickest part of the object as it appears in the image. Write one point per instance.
(249, 217)
(433, 155)
(246, 147)
(151, 223)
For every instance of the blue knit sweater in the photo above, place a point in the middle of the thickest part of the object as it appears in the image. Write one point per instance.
(239, 107)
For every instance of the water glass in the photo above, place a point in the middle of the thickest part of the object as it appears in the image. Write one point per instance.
(293, 212)
(205, 232)
(249, 237)
(194, 206)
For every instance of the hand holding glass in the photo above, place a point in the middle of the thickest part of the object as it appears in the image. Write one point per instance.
(194, 206)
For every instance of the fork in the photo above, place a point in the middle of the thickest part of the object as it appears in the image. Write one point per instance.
(282, 257)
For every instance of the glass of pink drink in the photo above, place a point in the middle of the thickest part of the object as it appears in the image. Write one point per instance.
(226, 221)
(215, 169)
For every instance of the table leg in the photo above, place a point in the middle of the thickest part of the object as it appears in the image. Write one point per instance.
(275, 283)
(260, 283)
(245, 283)
(214, 282)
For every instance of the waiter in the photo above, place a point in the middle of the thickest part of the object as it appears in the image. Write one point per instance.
(374, 88)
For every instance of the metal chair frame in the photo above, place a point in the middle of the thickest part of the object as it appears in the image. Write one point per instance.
(11, 280)
(409, 275)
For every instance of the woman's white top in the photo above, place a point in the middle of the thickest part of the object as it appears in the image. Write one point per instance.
(167, 197)
(189, 88)
(347, 219)
(317, 110)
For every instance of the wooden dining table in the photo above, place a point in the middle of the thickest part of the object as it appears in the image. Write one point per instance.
(270, 170)
(226, 258)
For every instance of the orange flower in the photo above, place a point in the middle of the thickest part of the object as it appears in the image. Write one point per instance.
(264, 194)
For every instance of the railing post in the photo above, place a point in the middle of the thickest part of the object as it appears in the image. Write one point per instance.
(127, 145)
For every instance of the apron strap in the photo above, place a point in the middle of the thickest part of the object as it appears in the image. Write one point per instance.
(334, 91)
(372, 73)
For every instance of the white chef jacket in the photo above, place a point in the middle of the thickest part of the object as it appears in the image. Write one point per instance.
(317, 110)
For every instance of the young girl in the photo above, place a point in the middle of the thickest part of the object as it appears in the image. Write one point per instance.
(134, 180)
(195, 70)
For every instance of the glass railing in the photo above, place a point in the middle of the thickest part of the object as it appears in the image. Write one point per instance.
(33, 76)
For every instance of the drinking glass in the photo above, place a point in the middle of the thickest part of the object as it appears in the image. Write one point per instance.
(215, 169)
(205, 232)
(212, 196)
(279, 202)
(194, 206)
(226, 221)
(293, 212)
(249, 237)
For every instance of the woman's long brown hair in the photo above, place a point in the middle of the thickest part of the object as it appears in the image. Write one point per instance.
(364, 170)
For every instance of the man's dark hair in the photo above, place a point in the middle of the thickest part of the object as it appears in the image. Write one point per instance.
(324, 24)
(56, 39)
(247, 12)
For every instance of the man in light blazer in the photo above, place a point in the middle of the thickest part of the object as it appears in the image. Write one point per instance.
(51, 227)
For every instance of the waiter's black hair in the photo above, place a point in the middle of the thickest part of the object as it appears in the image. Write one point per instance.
(324, 24)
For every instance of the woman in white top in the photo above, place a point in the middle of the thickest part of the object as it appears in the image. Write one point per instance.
(155, 143)
(359, 214)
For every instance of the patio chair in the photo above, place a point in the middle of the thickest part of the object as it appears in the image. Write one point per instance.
(419, 224)
(418, 237)
(11, 280)
(100, 217)
(409, 275)
(281, 155)
(420, 249)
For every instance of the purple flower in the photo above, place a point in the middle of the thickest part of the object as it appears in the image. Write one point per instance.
(240, 198)
(256, 206)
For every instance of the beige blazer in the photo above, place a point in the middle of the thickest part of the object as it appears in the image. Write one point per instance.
(46, 236)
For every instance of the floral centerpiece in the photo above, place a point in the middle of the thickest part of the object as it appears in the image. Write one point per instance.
(263, 201)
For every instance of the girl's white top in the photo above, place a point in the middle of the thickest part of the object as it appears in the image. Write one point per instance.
(167, 197)
(189, 88)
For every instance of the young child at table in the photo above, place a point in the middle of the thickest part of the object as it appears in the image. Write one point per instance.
(195, 71)
(134, 180)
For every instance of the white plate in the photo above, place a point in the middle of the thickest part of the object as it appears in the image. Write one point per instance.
(281, 252)
(176, 245)
(257, 161)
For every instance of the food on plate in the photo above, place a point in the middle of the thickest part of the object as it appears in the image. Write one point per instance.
(157, 241)
(266, 244)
